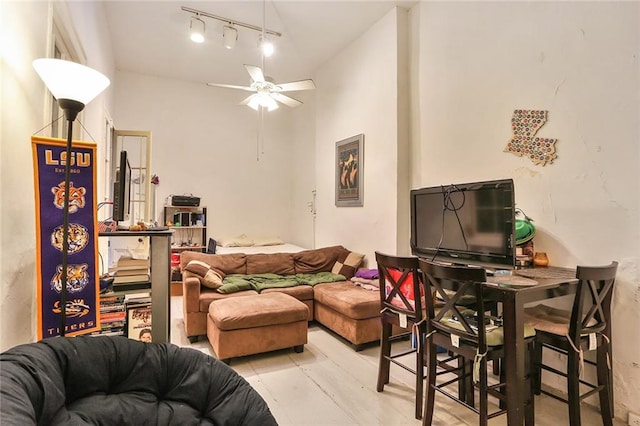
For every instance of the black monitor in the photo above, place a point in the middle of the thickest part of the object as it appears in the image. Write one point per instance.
(122, 189)
(470, 223)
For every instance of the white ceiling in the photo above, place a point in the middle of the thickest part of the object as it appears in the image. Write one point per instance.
(152, 37)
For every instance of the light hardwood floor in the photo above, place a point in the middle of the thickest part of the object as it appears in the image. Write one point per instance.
(331, 384)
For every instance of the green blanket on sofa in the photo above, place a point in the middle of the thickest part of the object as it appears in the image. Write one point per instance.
(259, 282)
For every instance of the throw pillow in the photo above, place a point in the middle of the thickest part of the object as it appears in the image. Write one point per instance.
(239, 241)
(268, 241)
(347, 263)
(209, 276)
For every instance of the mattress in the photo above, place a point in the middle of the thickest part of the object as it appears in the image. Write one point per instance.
(279, 248)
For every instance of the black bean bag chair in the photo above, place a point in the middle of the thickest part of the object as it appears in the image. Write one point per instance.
(117, 381)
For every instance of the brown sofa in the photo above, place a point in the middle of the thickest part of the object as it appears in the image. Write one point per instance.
(346, 309)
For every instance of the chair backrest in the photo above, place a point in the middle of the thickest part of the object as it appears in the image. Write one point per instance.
(211, 246)
(451, 284)
(401, 289)
(591, 312)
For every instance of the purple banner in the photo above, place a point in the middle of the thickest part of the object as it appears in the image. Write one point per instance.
(83, 298)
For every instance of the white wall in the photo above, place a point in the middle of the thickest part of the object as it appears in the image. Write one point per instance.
(206, 144)
(25, 28)
(578, 60)
(358, 93)
(302, 133)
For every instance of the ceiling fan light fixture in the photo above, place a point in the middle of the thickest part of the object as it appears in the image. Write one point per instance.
(266, 47)
(264, 100)
(196, 30)
(229, 36)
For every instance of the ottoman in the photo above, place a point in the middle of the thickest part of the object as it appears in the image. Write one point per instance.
(250, 325)
(348, 310)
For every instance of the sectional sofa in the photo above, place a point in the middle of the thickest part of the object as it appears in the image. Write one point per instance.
(344, 308)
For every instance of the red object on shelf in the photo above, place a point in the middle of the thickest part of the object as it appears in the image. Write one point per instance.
(175, 259)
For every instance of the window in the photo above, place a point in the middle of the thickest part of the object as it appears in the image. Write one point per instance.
(61, 48)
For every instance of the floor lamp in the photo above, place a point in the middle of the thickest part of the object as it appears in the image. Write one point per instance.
(73, 85)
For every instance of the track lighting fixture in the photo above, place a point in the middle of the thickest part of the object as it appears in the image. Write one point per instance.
(229, 31)
(229, 36)
(196, 29)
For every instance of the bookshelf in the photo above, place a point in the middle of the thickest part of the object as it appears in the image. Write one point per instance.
(159, 271)
(189, 224)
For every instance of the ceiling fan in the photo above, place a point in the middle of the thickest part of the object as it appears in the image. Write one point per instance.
(267, 92)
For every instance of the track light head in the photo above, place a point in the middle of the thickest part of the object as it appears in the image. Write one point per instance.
(196, 29)
(229, 36)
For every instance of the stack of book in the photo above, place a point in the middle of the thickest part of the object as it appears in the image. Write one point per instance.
(138, 307)
(130, 271)
(112, 315)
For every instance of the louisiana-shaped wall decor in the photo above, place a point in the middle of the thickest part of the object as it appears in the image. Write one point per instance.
(524, 142)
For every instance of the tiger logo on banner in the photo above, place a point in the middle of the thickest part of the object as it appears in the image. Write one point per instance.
(82, 310)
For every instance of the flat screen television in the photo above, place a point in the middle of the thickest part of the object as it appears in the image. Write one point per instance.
(122, 189)
(470, 223)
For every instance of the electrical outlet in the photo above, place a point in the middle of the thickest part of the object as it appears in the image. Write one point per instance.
(634, 419)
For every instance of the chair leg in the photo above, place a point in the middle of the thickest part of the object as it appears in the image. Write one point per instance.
(470, 395)
(503, 379)
(419, 377)
(462, 388)
(537, 367)
(484, 403)
(385, 351)
(496, 363)
(573, 388)
(604, 374)
(427, 417)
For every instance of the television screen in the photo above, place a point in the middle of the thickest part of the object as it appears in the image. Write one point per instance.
(471, 223)
(122, 189)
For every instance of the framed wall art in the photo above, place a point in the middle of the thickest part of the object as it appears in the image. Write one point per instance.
(349, 171)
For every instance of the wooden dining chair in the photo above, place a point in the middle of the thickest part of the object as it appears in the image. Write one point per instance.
(473, 334)
(401, 303)
(586, 328)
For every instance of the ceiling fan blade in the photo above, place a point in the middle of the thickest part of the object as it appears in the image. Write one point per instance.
(231, 86)
(297, 85)
(255, 73)
(288, 101)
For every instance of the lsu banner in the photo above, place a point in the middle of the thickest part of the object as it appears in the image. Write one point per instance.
(83, 295)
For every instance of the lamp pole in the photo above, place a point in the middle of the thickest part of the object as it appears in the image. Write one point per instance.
(71, 109)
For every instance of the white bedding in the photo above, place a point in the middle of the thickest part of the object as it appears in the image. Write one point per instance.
(280, 248)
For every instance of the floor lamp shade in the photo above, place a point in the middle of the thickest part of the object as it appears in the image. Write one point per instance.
(70, 80)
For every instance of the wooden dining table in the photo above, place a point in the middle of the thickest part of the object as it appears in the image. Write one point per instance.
(552, 282)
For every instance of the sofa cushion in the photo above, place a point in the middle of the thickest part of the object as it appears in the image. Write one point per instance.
(348, 299)
(235, 263)
(275, 263)
(301, 292)
(209, 277)
(347, 263)
(316, 260)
